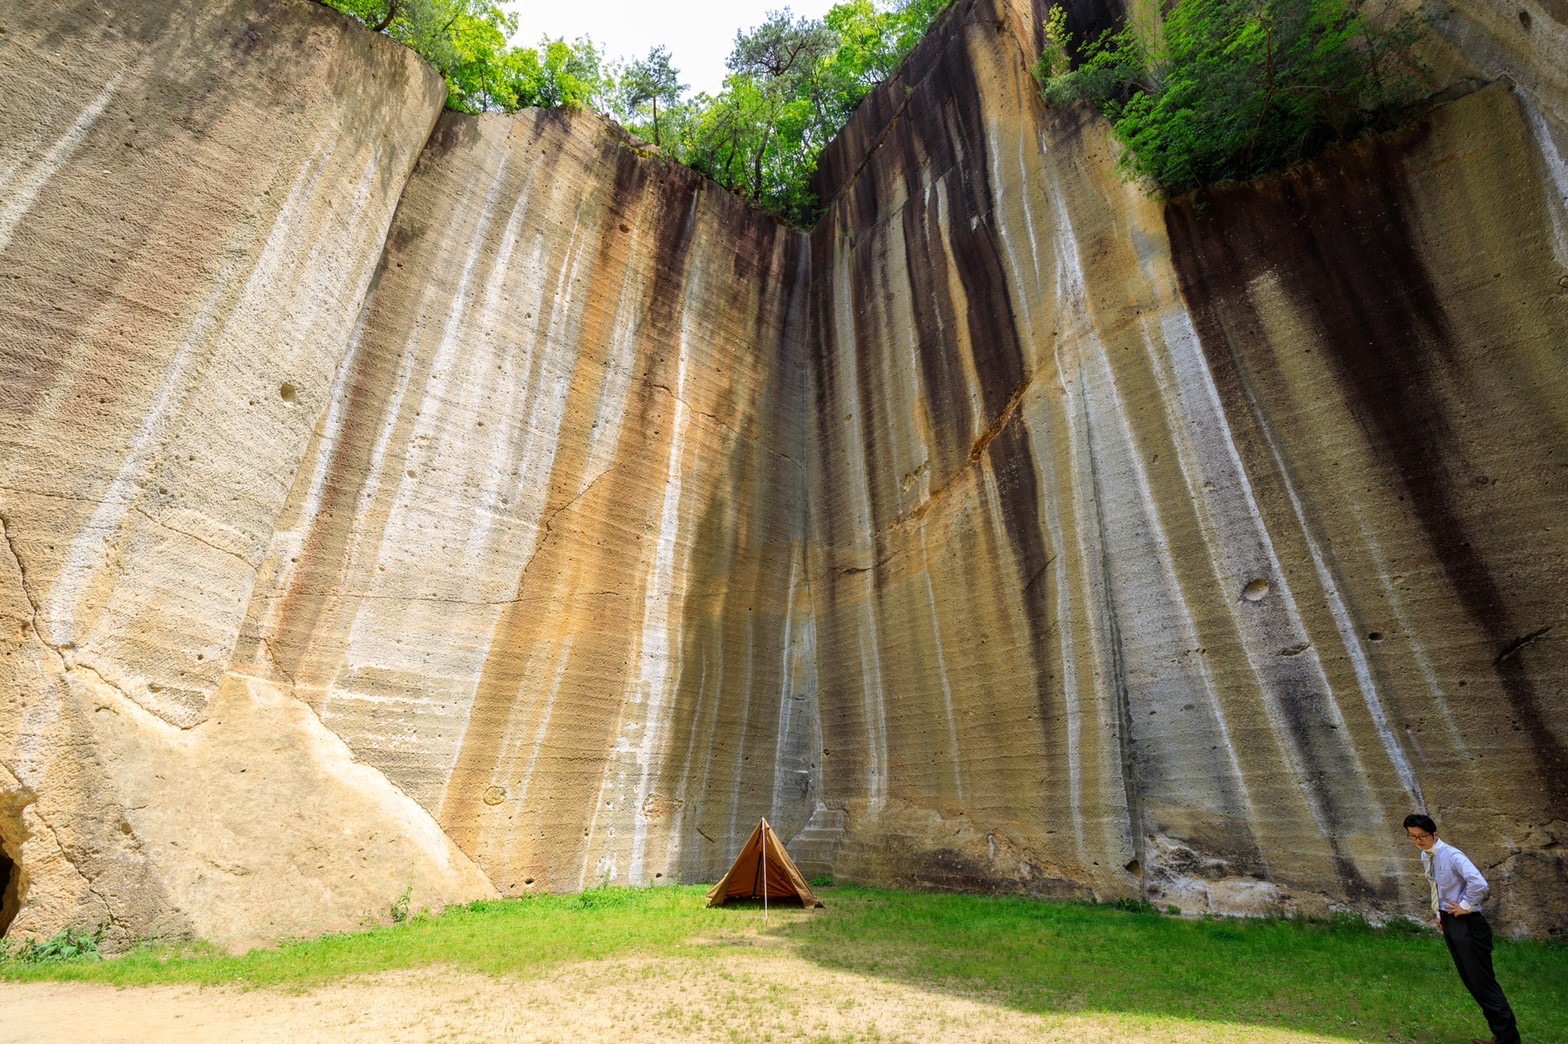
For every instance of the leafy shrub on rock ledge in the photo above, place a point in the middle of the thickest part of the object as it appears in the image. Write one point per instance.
(1230, 90)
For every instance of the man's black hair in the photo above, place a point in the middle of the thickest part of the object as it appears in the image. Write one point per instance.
(1421, 822)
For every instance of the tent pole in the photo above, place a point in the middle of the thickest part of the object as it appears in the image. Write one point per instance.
(765, 829)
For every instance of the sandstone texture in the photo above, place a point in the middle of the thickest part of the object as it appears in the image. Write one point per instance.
(194, 200)
(1186, 548)
(543, 563)
(402, 503)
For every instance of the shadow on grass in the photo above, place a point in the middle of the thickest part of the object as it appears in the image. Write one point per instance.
(1339, 978)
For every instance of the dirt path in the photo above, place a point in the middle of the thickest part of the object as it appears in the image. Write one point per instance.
(754, 996)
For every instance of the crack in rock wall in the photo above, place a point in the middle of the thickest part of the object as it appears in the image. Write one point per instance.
(405, 500)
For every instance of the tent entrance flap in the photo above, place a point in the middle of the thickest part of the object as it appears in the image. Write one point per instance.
(763, 870)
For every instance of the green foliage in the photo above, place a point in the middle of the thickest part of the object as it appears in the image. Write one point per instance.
(558, 75)
(762, 133)
(1137, 906)
(1054, 62)
(400, 905)
(513, 937)
(467, 42)
(647, 82)
(1227, 90)
(606, 897)
(794, 83)
(69, 944)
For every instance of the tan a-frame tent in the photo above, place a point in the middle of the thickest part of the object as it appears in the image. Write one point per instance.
(763, 870)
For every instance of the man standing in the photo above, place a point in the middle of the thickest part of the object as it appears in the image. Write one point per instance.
(1457, 891)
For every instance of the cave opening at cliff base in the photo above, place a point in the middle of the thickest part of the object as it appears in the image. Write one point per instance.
(10, 890)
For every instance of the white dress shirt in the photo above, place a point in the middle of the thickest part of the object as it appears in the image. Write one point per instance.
(1453, 877)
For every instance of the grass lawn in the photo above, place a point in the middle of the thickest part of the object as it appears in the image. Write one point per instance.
(1340, 979)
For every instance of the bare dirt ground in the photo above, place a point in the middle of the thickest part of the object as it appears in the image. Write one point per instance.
(760, 994)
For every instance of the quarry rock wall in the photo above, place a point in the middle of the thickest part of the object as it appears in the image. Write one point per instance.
(1183, 549)
(407, 503)
(192, 203)
(542, 564)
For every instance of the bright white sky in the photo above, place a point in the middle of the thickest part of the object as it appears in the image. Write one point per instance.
(699, 33)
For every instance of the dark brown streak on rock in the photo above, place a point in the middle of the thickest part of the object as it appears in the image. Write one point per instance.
(1215, 291)
(1116, 653)
(1336, 233)
(700, 702)
(452, 131)
(631, 174)
(735, 532)
(325, 549)
(977, 451)
(822, 372)
(845, 158)
(1017, 488)
(936, 322)
(869, 297)
(993, 337)
(1003, 419)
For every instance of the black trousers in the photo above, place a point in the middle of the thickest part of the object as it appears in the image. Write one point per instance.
(1469, 941)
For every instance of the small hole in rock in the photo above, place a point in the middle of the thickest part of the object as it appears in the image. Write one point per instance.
(1524, 20)
(1255, 590)
(287, 393)
(1374, 636)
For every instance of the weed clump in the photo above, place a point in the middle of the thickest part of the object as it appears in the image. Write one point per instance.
(399, 910)
(606, 897)
(69, 944)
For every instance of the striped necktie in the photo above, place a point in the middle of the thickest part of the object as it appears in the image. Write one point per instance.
(1431, 880)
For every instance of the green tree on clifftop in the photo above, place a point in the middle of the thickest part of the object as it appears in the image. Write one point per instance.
(464, 39)
(467, 42)
(793, 83)
(649, 81)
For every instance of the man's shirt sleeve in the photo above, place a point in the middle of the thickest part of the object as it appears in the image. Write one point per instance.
(1474, 890)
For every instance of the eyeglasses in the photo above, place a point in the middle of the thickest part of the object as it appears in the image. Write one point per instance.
(1419, 836)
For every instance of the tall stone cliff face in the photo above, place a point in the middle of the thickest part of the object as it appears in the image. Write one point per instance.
(542, 563)
(1186, 548)
(477, 504)
(194, 201)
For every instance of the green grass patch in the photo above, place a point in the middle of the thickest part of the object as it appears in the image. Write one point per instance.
(1336, 977)
(1339, 977)
(516, 937)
